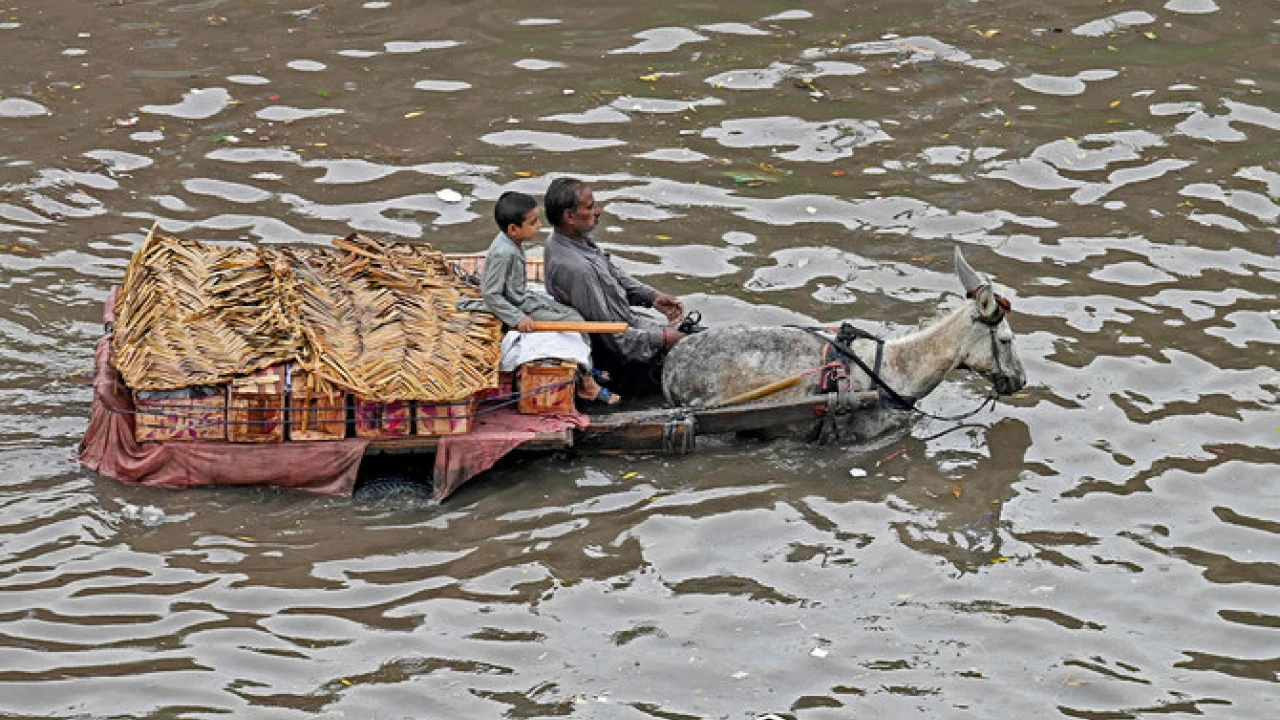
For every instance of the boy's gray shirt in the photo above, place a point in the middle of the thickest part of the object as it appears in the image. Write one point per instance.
(505, 291)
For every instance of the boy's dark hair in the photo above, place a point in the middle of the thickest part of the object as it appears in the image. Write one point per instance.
(512, 207)
(561, 197)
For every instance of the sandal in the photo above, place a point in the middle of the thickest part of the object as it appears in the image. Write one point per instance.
(604, 397)
(602, 376)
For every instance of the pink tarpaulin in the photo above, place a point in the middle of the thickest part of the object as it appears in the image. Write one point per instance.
(461, 457)
(109, 447)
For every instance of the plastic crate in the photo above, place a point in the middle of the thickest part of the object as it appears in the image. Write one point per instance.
(547, 387)
(453, 418)
(317, 409)
(169, 418)
(256, 406)
(379, 419)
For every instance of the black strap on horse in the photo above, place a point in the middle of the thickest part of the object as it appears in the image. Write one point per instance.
(841, 344)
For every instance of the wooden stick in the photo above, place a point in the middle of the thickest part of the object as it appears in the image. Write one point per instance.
(576, 326)
(760, 392)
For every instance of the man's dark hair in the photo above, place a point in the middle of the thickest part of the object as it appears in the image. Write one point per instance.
(512, 207)
(561, 197)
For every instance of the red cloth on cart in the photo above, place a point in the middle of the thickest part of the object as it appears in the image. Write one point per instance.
(327, 467)
(109, 447)
(493, 434)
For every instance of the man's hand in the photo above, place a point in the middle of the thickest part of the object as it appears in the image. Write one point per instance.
(671, 336)
(669, 306)
(525, 325)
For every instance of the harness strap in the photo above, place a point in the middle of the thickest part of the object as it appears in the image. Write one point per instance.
(886, 392)
(849, 333)
(847, 355)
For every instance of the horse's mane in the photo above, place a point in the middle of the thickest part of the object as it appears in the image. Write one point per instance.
(935, 313)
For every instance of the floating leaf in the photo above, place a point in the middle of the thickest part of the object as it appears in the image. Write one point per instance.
(414, 114)
(1114, 104)
(749, 179)
(1149, 35)
(630, 475)
(838, 173)
(957, 491)
(525, 174)
(651, 77)
(663, 237)
(766, 167)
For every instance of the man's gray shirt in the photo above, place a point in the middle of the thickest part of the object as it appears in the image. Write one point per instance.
(502, 283)
(581, 274)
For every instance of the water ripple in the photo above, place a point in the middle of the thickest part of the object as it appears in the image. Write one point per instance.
(1128, 209)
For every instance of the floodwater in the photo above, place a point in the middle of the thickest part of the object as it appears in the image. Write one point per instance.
(1106, 544)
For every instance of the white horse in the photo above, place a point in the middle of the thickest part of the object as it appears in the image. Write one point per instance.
(711, 367)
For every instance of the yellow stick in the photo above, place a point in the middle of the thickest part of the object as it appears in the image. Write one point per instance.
(769, 389)
(576, 326)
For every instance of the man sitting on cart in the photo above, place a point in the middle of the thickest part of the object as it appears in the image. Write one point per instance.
(582, 275)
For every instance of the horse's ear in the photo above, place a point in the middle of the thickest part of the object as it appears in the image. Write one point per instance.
(970, 279)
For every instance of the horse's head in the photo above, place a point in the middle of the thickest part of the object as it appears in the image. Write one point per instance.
(988, 344)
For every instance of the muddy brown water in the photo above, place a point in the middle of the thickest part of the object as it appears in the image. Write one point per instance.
(1103, 545)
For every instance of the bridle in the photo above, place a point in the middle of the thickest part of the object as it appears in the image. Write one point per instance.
(1003, 308)
(845, 354)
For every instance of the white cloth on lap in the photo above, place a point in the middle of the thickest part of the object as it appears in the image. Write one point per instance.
(519, 348)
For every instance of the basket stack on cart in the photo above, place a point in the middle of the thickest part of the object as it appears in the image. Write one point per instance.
(276, 344)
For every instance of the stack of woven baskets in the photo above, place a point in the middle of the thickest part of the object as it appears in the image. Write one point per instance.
(372, 319)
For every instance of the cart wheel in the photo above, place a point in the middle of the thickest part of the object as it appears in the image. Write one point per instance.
(393, 488)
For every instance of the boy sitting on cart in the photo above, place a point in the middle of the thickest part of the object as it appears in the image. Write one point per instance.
(507, 296)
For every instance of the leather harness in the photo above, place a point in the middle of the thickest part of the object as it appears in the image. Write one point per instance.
(838, 352)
